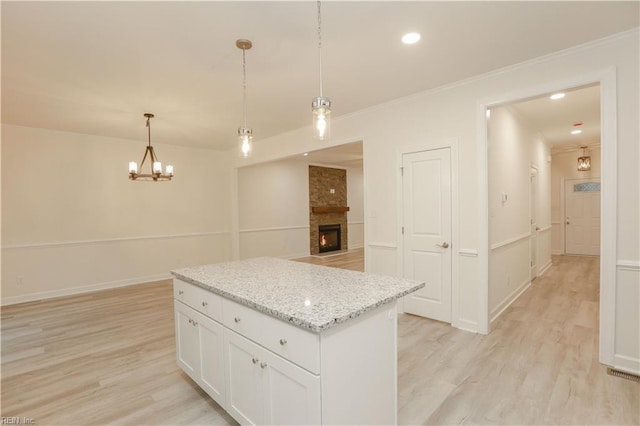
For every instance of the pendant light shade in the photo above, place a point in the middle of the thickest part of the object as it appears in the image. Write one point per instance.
(245, 135)
(320, 105)
(154, 163)
(584, 162)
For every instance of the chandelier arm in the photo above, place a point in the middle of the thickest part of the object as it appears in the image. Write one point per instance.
(144, 157)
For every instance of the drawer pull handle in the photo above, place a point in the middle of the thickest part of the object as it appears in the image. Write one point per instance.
(255, 360)
(204, 304)
(195, 323)
(263, 364)
(283, 342)
(236, 320)
(180, 292)
(190, 321)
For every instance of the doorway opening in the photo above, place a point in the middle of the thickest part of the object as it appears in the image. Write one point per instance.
(534, 182)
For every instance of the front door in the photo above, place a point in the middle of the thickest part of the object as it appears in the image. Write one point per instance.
(582, 216)
(426, 190)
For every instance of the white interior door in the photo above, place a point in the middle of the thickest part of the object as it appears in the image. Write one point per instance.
(533, 249)
(582, 216)
(426, 189)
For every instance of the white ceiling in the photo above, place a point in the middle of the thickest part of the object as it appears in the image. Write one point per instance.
(555, 119)
(96, 67)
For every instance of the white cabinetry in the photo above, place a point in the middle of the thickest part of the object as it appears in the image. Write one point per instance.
(266, 371)
(263, 388)
(200, 351)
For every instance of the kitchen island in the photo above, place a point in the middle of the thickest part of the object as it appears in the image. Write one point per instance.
(280, 342)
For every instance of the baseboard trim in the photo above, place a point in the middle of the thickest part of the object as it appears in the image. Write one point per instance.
(14, 300)
(295, 256)
(466, 325)
(627, 364)
(545, 268)
(557, 252)
(509, 300)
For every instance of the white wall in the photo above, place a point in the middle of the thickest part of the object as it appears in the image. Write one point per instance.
(565, 166)
(451, 113)
(355, 201)
(514, 147)
(72, 221)
(541, 158)
(273, 208)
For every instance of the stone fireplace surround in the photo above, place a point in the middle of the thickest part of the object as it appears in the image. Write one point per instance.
(325, 207)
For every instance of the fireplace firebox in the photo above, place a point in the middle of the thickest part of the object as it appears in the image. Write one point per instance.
(329, 238)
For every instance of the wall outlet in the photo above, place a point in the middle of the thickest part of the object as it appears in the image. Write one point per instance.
(332, 191)
(19, 280)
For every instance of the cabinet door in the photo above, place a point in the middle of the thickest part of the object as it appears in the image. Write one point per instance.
(291, 394)
(187, 346)
(211, 358)
(244, 393)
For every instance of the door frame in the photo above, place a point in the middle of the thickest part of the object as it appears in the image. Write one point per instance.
(533, 209)
(452, 145)
(606, 78)
(563, 208)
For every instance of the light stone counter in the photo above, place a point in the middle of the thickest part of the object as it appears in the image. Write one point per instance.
(309, 296)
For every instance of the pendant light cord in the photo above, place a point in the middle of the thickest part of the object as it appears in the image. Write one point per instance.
(320, 45)
(244, 90)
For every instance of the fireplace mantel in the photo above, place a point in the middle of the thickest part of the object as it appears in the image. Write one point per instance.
(329, 209)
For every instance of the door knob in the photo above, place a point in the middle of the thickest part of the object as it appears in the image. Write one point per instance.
(568, 223)
(443, 245)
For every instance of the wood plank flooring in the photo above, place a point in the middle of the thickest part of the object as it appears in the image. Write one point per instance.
(109, 358)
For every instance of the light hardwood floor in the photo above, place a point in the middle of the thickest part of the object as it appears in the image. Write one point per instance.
(108, 358)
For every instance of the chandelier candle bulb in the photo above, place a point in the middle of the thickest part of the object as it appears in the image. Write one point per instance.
(157, 167)
(169, 170)
(133, 167)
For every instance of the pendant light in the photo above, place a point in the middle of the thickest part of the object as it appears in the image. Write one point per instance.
(321, 105)
(154, 163)
(245, 135)
(584, 162)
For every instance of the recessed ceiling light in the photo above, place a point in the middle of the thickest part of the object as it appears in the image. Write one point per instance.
(305, 154)
(576, 132)
(557, 96)
(410, 38)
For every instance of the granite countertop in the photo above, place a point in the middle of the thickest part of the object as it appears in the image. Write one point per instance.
(309, 296)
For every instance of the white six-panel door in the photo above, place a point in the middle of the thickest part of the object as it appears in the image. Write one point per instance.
(426, 189)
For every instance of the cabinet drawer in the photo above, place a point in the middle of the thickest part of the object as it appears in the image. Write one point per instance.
(290, 342)
(198, 298)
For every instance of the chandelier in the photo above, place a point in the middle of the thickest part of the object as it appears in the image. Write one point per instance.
(245, 135)
(154, 164)
(320, 105)
(584, 162)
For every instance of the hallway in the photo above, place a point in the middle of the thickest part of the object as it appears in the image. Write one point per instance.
(539, 365)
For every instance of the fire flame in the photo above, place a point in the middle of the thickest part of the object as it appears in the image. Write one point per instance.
(323, 241)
